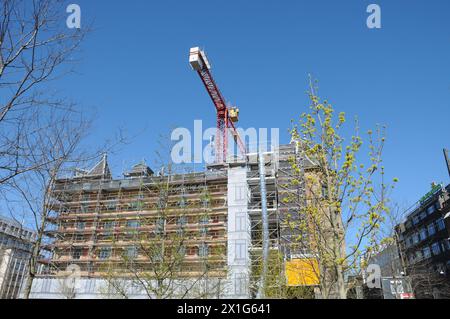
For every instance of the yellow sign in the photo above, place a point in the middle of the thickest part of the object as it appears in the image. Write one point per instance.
(302, 272)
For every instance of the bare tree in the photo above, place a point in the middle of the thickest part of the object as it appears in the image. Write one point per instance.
(156, 262)
(36, 47)
(427, 281)
(58, 145)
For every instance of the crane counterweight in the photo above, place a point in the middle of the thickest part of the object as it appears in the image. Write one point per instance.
(198, 59)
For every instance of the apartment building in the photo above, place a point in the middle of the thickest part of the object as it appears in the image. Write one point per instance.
(200, 232)
(424, 245)
(16, 244)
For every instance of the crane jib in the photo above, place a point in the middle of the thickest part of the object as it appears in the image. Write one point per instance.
(212, 89)
(225, 116)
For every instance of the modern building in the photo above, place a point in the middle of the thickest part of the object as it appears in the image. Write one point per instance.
(447, 161)
(424, 245)
(395, 284)
(16, 245)
(181, 235)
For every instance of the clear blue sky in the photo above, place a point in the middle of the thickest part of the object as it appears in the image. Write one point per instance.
(135, 71)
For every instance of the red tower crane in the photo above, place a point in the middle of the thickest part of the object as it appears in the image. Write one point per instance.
(226, 116)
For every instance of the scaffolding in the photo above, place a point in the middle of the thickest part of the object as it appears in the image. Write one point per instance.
(97, 219)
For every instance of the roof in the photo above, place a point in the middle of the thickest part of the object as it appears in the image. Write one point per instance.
(426, 200)
(139, 170)
(14, 223)
(101, 169)
(10, 221)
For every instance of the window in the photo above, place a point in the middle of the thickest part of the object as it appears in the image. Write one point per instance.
(416, 220)
(136, 205)
(140, 197)
(77, 253)
(240, 284)
(204, 220)
(214, 234)
(431, 229)
(408, 224)
(80, 225)
(105, 253)
(447, 244)
(133, 224)
(431, 209)
(132, 252)
(442, 244)
(182, 221)
(324, 191)
(111, 206)
(423, 234)
(240, 250)
(203, 231)
(241, 222)
(192, 251)
(436, 249)
(203, 250)
(109, 225)
(182, 203)
(423, 215)
(416, 238)
(181, 251)
(419, 255)
(161, 202)
(157, 256)
(215, 219)
(426, 252)
(440, 224)
(239, 193)
(205, 202)
(409, 242)
(84, 208)
(160, 226)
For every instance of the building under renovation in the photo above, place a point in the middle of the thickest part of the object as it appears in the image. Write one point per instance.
(191, 235)
(182, 235)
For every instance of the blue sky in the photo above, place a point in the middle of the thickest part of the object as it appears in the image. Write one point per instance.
(134, 72)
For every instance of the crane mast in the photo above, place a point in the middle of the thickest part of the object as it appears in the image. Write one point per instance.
(226, 116)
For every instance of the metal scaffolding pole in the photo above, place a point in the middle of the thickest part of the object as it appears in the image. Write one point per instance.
(265, 226)
(447, 160)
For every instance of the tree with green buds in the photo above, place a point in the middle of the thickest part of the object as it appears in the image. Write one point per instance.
(346, 195)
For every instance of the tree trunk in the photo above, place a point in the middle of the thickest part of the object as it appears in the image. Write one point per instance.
(28, 285)
(34, 256)
(340, 283)
(32, 271)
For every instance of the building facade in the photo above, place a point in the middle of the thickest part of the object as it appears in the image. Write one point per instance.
(196, 235)
(15, 249)
(424, 245)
